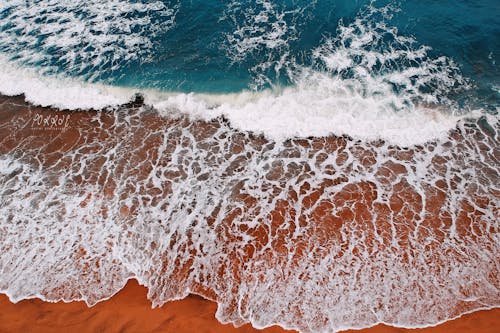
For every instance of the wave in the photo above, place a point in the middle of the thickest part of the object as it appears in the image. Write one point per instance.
(362, 191)
(90, 39)
(314, 234)
(368, 82)
(320, 106)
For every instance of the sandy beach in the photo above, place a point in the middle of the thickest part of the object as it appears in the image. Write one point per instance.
(45, 137)
(130, 311)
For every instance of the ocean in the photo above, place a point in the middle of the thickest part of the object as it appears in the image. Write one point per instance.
(318, 165)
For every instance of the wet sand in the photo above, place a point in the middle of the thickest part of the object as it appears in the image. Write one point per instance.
(127, 311)
(130, 311)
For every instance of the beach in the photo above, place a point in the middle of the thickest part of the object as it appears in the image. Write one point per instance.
(224, 166)
(130, 311)
(90, 202)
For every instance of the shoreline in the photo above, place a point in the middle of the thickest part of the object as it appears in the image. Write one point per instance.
(67, 132)
(129, 311)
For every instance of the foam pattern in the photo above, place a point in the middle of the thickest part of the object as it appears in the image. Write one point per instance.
(89, 39)
(362, 191)
(261, 33)
(373, 58)
(318, 234)
(368, 82)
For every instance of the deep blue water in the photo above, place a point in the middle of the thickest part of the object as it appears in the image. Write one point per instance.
(223, 46)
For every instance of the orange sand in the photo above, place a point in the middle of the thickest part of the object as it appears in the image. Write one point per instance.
(130, 311)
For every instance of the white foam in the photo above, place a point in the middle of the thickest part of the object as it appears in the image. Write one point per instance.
(163, 208)
(353, 87)
(319, 106)
(263, 27)
(59, 92)
(154, 202)
(90, 38)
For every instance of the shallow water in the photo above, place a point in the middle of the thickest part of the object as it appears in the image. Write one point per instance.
(313, 234)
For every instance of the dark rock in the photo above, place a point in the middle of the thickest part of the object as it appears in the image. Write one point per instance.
(136, 101)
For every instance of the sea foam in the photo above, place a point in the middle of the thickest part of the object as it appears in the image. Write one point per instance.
(354, 195)
(368, 82)
(90, 39)
(319, 106)
(316, 234)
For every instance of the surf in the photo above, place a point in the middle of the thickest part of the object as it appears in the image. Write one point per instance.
(336, 173)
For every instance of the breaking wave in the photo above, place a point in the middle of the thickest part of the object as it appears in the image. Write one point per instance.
(368, 82)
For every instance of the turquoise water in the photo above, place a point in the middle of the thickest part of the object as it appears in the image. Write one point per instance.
(224, 46)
